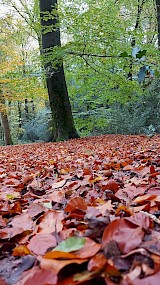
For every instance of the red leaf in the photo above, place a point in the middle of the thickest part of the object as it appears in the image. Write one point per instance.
(127, 235)
(2, 282)
(36, 276)
(76, 203)
(152, 169)
(112, 185)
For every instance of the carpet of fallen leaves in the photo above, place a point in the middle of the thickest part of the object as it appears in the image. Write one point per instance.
(84, 211)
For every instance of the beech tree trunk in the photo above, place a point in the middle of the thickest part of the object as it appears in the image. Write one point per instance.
(158, 20)
(4, 120)
(6, 129)
(63, 124)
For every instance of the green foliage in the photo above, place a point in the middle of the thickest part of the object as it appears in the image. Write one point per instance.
(70, 244)
(138, 117)
(38, 128)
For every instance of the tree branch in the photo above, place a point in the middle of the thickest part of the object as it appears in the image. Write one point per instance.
(92, 55)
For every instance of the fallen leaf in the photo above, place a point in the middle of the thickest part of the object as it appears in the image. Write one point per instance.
(21, 250)
(97, 262)
(76, 203)
(51, 222)
(58, 184)
(70, 244)
(40, 243)
(127, 235)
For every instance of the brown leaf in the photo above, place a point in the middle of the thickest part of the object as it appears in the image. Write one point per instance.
(127, 235)
(56, 265)
(2, 222)
(26, 178)
(41, 242)
(8, 233)
(141, 219)
(34, 209)
(76, 203)
(51, 222)
(105, 207)
(39, 276)
(97, 262)
(112, 185)
(111, 270)
(88, 250)
(24, 221)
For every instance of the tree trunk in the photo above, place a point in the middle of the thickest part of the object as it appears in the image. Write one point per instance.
(158, 20)
(133, 41)
(4, 120)
(26, 109)
(19, 115)
(63, 124)
(6, 129)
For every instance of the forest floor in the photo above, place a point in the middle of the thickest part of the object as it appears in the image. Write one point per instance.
(83, 211)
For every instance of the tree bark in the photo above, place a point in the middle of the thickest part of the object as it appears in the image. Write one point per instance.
(19, 115)
(63, 124)
(4, 120)
(6, 129)
(133, 41)
(158, 21)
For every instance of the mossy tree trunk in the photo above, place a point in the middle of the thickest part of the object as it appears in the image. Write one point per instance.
(63, 124)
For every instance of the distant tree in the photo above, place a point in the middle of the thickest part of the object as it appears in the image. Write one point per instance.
(19, 77)
(63, 124)
(4, 120)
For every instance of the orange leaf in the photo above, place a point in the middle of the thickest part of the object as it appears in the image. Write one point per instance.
(21, 250)
(112, 271)
(97, 262)
(76, 203)
(112, 185)
(59, 254)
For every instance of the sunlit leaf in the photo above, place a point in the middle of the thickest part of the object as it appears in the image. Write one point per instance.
(141, 53)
